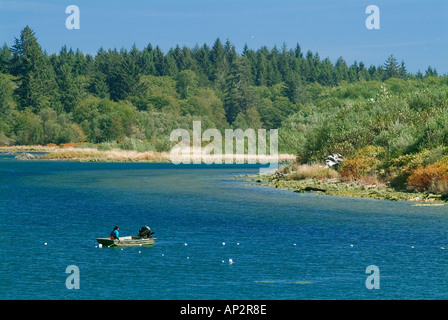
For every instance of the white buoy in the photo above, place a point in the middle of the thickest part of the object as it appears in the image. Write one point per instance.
(100, 245)
(237, 243)
(139, 252)
(223, 243)
(231, 261)
(45, 243)
(186, 244)
(351, 245)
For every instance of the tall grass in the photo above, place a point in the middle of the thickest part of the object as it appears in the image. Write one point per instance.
(313, 171)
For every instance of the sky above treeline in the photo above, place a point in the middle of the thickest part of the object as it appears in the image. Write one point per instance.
(415, 31)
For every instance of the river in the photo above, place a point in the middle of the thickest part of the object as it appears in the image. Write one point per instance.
(218, 236)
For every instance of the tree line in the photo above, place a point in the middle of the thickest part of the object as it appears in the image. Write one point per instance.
(144, 94)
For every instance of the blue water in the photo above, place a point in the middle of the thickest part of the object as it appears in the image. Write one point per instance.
(284, 245)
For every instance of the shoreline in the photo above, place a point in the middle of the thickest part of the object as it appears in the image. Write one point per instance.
(337, 187)
(119, 155)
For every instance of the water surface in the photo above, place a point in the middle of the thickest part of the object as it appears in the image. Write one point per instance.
(284, 245)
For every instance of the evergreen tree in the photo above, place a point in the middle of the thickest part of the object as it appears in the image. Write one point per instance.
(5, 59)
(238, 98)
(146, 61)
(402, 70)
(293, 84)
(262, 67)
(186, 61)
(220, 64)
(98, 84)
(37, 86)
(170, 66)
(123, 79)
(83, 64)
(7, 108)
(311, 72)
(326, 76)
(363, 73)
(273, 74)
(159, 62)
(203, 62)
(251, 58)
(430, 72)
(353, 72)
(298, 52)
(391, 68)
(341, 70)
(43, 98)
(70, 93)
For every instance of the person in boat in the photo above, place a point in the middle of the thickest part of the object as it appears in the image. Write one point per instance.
(114, 235)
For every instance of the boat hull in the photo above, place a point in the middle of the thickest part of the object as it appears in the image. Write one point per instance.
(126, 242)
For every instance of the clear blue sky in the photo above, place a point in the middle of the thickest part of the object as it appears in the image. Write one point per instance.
(415, 31)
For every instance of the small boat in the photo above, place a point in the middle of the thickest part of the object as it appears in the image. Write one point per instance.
(144, 238)
(131, 241)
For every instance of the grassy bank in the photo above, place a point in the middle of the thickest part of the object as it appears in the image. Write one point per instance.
(338, 187)
(410, 181)
(93, 153)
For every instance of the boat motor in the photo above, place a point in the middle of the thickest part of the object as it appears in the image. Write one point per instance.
(145, 232)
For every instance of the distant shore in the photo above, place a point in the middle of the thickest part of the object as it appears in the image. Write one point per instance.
(91, 154)
(327, 186)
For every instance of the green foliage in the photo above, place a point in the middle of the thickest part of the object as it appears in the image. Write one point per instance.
(400, 116)
(36, 81)
(134, 98)
(186, 82)
(28, 128)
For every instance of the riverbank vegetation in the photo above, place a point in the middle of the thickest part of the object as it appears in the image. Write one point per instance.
(393, 134)
(390, 125)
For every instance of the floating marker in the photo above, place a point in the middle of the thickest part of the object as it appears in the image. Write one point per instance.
(100, 245)
(186, 244)
(223, 243)
(45, 243)
(231, 261)
(237, 243)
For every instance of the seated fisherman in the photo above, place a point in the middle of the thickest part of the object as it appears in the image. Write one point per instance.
(114, 235)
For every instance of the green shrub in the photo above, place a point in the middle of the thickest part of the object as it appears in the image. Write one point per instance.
(128, 144)
(162, 145)
(107, 146)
